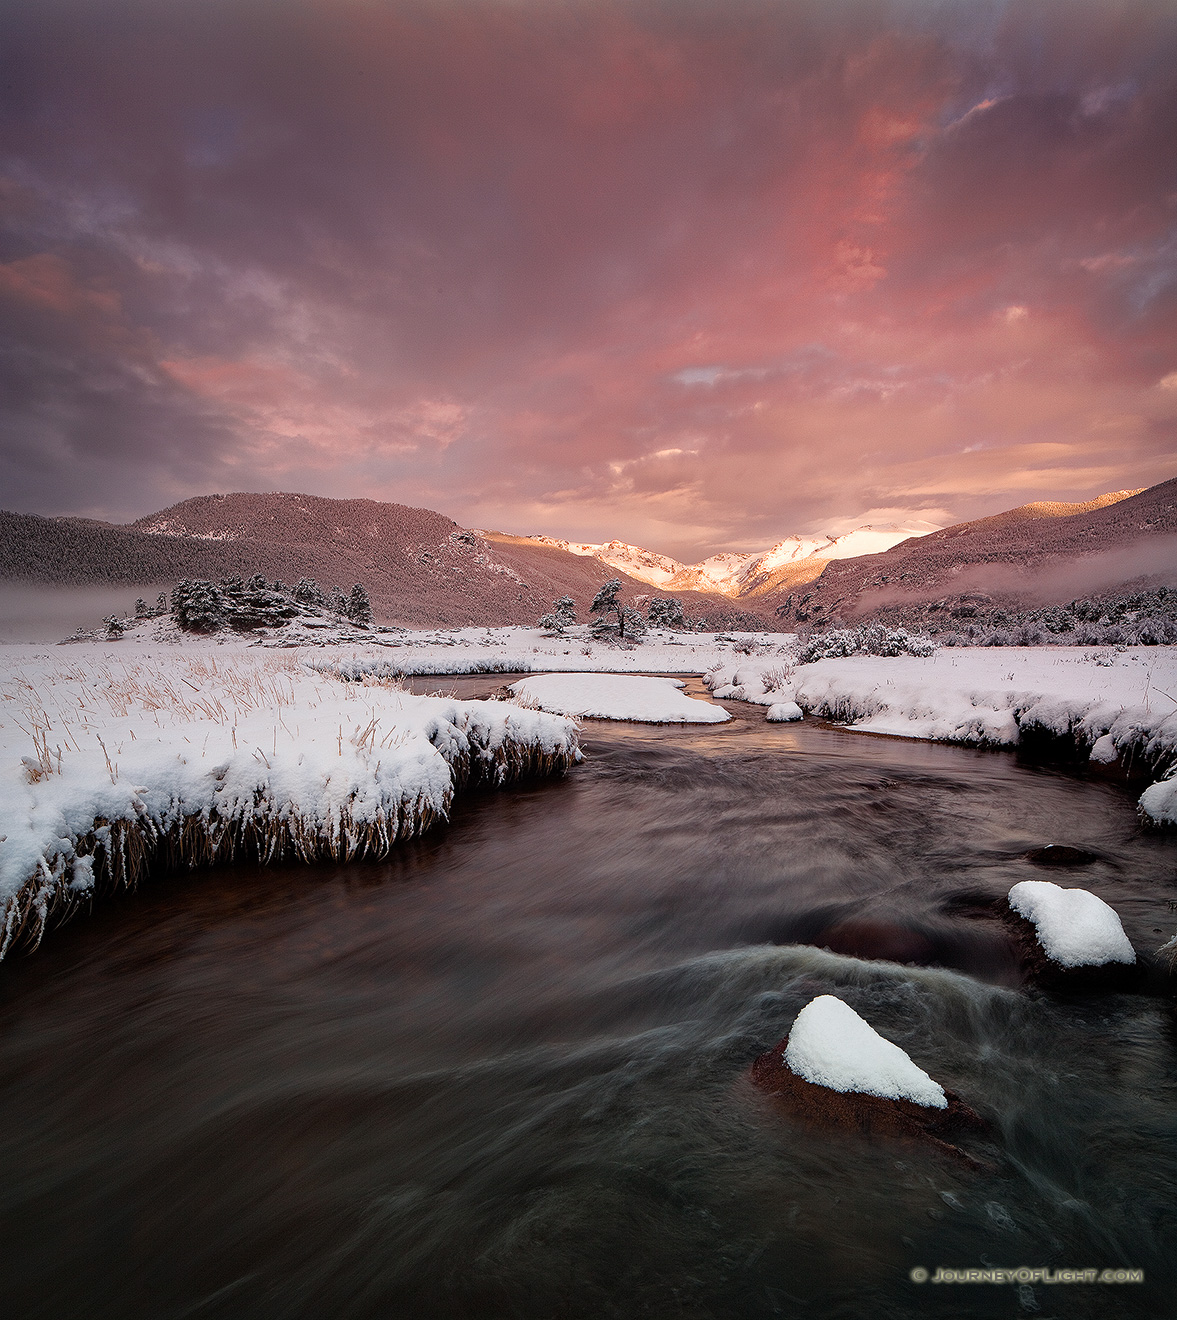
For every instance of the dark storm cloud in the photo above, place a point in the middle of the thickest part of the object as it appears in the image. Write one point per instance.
(696, 274)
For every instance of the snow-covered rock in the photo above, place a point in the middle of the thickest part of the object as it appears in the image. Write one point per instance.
(1103, 750)
(831, 1046)
(1159, 802)
(1075, 927)
(781, 712)
(617, 697)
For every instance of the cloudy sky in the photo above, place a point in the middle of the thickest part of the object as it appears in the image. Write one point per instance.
(692, 273)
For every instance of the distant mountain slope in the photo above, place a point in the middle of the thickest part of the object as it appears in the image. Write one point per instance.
(555, 572)
(1043, 551)
(419, 567)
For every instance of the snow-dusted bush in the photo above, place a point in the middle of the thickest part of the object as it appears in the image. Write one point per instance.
(828, 646)
(777, 677)
(561, 616)
(873, 639)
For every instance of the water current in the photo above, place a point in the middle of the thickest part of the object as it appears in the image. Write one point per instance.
(504, 1074)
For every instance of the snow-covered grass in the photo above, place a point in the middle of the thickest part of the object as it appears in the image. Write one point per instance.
(617, 697)
(1119, 707)
(1075, 927)
(532, 650)
(830, 1045)
(115, 758)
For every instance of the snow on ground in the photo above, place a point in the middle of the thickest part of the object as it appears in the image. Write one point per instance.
(1075, 927)
(214, 749)
(1117, 705)
(157, 728)
(532, 650)
(830, 1045)
(617, 697)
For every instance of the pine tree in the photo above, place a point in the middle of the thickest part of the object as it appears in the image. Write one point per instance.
(665, 613)
(308, 593)
(605, 603)
(198, 606)
(359, 607)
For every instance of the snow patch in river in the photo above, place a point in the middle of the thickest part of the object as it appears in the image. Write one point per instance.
(617, 697)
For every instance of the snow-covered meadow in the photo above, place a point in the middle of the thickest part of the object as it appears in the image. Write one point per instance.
(116, 756)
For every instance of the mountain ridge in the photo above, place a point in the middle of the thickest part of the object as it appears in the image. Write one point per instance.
(422, 569)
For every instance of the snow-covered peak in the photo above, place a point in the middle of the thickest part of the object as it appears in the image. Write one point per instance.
(830, 1045)
(865, 540)
(871, 540)
(728, 573)
(645, 565)
(722, 572)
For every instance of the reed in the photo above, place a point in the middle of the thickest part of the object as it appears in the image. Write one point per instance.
(119, 854)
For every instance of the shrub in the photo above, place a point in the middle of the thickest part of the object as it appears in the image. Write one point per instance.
(562, 616)
(874, 639)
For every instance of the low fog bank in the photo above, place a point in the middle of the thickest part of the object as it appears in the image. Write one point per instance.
(30, 613)
(1047, 583)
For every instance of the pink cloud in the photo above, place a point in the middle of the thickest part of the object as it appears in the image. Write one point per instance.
(705, 274)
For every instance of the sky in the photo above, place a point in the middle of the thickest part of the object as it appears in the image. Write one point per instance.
(694, 274)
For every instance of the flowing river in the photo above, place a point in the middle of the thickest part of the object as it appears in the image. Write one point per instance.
(504, 1074)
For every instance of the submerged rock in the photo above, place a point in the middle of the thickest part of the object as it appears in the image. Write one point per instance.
(834, 1071)
(875, 939)
(1061, 854)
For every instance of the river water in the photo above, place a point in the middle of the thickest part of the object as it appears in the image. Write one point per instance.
(503, 1074)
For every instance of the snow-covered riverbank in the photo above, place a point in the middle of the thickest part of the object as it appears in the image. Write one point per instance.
(1117, 708)
(119, 755)
(115, 757)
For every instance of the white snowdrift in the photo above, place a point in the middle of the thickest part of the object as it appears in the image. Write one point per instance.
(1075, 927)
(111, 758)
(831, 1046)
(782, 712)
(1159, 802)
(1117, 705)
(617, 697)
